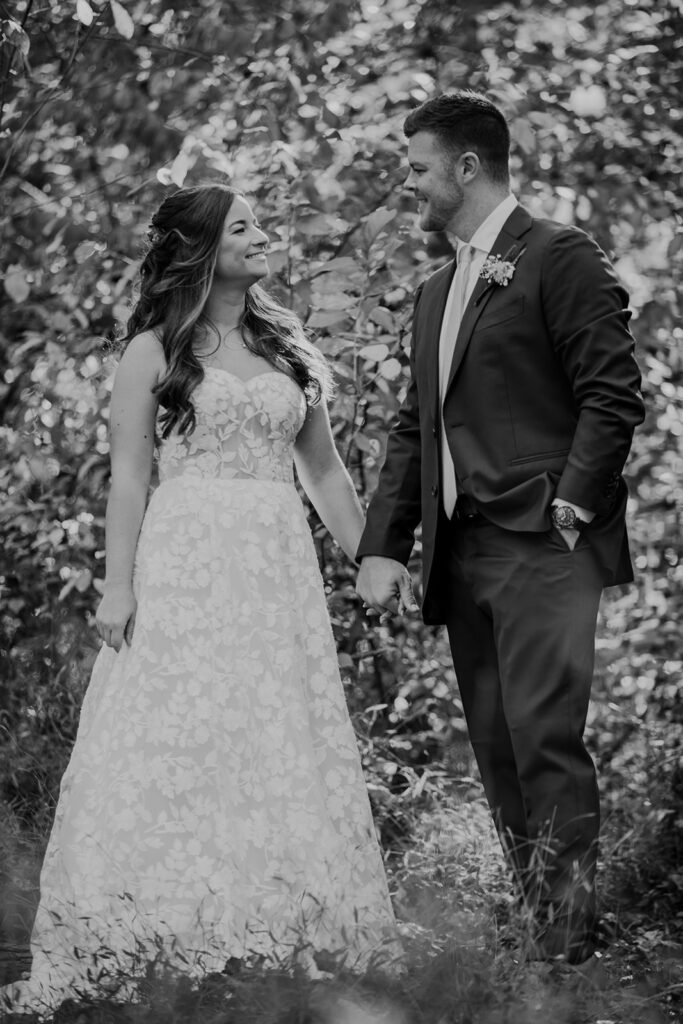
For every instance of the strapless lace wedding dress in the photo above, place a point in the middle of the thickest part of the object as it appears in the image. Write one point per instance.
(214, 805)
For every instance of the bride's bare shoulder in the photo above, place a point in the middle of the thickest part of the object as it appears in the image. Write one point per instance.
(145, 353)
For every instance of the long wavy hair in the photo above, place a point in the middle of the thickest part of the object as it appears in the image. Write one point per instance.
(175, 280)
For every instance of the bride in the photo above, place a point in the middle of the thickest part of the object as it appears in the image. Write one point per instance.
(214, 805)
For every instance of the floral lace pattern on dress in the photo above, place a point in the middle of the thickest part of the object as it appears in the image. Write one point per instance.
(251, 439)
(214, 801)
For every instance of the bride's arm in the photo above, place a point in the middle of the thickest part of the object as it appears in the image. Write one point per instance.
(131, 428)
(326, 481)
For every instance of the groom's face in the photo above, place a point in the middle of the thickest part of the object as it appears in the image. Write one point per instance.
(433, 180)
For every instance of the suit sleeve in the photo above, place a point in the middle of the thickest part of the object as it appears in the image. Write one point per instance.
(396, 508)
(586, 312)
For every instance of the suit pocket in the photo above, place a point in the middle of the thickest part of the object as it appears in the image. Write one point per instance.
(556, 539)
(539, 456)
(508, 310)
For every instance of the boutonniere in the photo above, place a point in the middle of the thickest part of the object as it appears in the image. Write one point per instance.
(499, 269)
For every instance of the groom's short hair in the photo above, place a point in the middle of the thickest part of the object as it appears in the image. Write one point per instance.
(466, 120)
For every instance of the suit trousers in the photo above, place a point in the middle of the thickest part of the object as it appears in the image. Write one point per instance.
(522, 613)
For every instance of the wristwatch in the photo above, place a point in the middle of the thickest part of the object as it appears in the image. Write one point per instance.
(565, 518)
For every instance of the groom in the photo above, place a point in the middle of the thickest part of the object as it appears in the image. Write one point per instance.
(508, 448)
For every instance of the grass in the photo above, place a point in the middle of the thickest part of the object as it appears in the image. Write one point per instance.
(461, 934)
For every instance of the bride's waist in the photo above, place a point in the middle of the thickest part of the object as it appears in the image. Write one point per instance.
(200, 498)
(199, 481)
(224, 464)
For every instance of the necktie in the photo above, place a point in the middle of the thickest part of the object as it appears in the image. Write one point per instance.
(449, 333)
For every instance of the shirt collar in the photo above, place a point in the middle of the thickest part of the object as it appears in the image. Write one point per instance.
(488, 231)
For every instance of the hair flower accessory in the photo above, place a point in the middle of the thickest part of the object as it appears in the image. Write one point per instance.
(153, 234)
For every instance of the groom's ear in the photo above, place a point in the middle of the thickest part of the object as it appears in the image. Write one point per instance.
(469, 166)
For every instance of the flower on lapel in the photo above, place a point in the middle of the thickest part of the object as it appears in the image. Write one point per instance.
(497, 270)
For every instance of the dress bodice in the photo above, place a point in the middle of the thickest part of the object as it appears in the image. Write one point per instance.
(245, 429)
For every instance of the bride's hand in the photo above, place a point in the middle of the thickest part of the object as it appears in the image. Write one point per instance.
(115, 617)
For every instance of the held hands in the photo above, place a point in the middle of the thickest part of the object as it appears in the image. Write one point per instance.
(385, 585)
(115, 618)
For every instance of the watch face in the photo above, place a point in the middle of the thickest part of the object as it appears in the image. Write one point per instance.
(564, 517)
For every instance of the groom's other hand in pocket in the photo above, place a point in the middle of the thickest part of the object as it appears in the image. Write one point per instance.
(385, 585)
(570, 537)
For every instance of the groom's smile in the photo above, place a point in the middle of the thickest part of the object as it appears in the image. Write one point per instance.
(433, 182)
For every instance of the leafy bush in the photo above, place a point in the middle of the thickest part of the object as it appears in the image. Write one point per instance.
(104, 107)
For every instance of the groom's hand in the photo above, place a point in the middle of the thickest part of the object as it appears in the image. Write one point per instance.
(385, 585)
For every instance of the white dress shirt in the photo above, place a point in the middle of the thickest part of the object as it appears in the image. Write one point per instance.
(483, 239)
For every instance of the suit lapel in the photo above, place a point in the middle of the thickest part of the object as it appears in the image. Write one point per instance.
(437, 309)
(508, 246)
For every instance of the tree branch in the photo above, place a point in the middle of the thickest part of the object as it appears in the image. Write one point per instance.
(6, 76)
(51, 95)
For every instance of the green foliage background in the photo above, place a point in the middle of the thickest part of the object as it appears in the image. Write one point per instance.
(106, 106)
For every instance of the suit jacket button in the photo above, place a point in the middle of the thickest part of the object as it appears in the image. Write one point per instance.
(434, 431)
(435, 491)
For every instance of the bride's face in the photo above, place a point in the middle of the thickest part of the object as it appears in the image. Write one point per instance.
(242, 248)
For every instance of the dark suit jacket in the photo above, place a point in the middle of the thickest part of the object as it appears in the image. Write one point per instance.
(542, 400)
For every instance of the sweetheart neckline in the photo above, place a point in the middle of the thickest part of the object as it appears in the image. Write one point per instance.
(248, 380)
